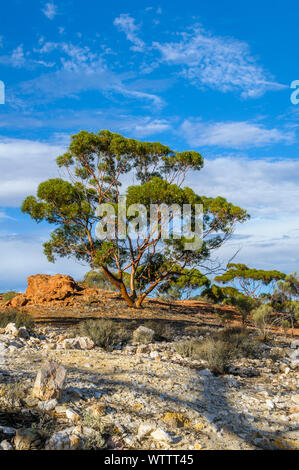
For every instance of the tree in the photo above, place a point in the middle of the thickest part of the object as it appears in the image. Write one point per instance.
(99, 280)
(181, 283)
(95, 165)
(262, 319)
(286, 297)
(249, 281)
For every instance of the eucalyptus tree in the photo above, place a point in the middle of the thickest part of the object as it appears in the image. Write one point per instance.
(95, 220)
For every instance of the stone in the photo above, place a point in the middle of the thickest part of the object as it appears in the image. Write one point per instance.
(97, 410)
(161, 436)
(295, 344)
(47, 405)
(80, 342)
(144, 430)
(18, 301)
(23, 333)
(205, 373)
(49, 381)
(175, 420)
(72, 415)
(46, 288)
(143, 335)
(5, 445)
(68, 439)
(11, 329)
(27, 439)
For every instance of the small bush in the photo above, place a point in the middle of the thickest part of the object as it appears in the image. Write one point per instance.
(104, 333)
(162, 330)
(220, 349)
(17, 317)
(9, 296)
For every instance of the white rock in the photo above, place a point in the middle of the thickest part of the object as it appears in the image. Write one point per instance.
(144, 430)
(161, 435)
(47, 405)
(143, 334)
(5, 445)
(11, 329)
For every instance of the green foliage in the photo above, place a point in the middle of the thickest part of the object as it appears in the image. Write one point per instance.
(249, 280)
(262, 319)
(183, 282)
(95, 165)
(104, 333)
(8, 296)
(99, 280)
(17, 317)
(244, 304)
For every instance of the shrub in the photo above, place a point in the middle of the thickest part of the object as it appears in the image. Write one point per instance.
(162, 331)
(262, 319)
(9, 296)
(104, 333)
(220, 349)
(17, 317)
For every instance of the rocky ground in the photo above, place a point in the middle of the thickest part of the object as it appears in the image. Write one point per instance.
(142, 396)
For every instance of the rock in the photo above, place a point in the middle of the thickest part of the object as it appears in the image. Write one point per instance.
(27, 439)
(72, 415)
(294, 357)
(80, 342)
(7, 430)
(269, 404)
(23, 333)
(68, 439)
(11, 329)
(161, 436)
(295, 398)
(18, 301)
(46, 288)
(97, 410)
(143, 335)
(205, 373)
(176, 420)
(5, 445)
(144, 430)
(49, 381)
(295, 344)
(47, 405)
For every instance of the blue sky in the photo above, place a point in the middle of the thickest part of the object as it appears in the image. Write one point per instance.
(209, 76)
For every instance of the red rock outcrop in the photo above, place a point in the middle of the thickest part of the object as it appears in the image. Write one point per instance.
(45, 288)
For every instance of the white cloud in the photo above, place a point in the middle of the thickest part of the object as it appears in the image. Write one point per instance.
(79, 70)
(126, 24)
(147, 126)
(21, 258)
(233, 134)
(50, 10)
(268, 190)
(24, 164)
(221, 63)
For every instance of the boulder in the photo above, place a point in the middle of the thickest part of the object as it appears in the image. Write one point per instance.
(80, 342)
(45, 288)
(11, 329)
(143, 335)
(18, 301)
(49, 381)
